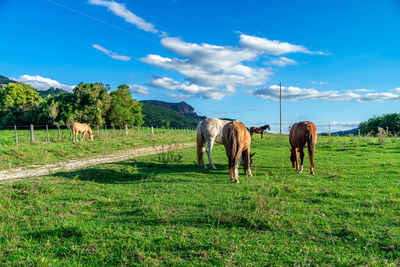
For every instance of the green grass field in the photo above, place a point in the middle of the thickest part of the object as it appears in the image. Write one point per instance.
(144, 212)
(42, 152)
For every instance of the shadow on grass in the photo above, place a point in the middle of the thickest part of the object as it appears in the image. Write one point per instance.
(128, 172)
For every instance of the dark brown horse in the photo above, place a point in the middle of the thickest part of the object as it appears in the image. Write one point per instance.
(302, 134)
(237, 140)
(259, 130)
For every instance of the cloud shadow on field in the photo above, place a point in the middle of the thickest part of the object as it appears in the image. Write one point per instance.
(132, 171)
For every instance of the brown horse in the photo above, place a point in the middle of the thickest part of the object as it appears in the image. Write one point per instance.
(82, 128)
(237, 140)
(302, 134)
(259, 130)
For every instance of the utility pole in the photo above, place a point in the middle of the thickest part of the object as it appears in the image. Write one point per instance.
(280, 108)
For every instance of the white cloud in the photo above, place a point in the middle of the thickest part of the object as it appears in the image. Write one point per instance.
(273, 47)
(139, 89)
(111, 53)
(191, 89)
(121, 11)
(179, 97)
(281, 61)
(292, 93)
(320, 83)
(211, 66)
(41, 83)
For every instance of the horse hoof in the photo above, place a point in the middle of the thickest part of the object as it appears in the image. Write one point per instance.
(213, 168)
(205, 167)
(311, 172)
(237, 181)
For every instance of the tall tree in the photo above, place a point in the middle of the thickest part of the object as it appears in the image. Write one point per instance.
(92, 102)
(16, 101)
(124, 109)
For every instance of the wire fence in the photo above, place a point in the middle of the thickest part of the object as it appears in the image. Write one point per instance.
(33, 134)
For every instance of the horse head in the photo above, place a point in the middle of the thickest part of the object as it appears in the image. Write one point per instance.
(251, 158)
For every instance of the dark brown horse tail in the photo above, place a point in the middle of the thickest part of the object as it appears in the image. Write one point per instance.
(200, 143)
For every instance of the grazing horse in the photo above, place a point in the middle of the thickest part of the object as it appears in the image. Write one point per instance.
(208, 131)
(302, 134)
(260, 130)
(237, 140)
(82, 128)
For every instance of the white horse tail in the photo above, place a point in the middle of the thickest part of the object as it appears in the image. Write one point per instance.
(200, 143)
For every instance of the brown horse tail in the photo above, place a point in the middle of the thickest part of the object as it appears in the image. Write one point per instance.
(233, 145)
(200, 143)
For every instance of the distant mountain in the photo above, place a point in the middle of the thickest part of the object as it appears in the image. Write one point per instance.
(52, 91)
(343, 133)
(159, 116)
(181, 107)
(4, 80)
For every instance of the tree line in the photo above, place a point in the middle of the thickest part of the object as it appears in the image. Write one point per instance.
(390, 122)
(21, 104)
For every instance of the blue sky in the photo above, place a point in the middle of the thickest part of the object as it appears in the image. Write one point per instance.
(338, 61)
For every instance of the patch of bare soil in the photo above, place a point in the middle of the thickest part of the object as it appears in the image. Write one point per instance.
(35, 170)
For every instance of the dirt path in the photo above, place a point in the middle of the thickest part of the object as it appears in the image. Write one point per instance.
(31, 171)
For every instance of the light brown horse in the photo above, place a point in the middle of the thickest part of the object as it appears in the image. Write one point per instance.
(302, 134)
(82, 128)
(237, 140)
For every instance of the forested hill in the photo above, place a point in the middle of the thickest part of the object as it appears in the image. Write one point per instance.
(163, 117)
(4, 80)
(181, 107)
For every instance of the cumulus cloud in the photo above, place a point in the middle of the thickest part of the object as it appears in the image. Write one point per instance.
(281, 61)
(293, 93)
(121, 11)
(191, 89)
(111, 53)
(208, 66)
(139, 89)
(42, 83)
(273, 47)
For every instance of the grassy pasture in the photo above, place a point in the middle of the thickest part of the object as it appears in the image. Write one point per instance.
(145, 212)
(42, 152)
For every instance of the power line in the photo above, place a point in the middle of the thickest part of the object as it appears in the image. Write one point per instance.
(102, 21)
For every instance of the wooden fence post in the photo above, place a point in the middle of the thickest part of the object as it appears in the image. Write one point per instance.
(32, 134)
(70, 132)
(59, 132)
(47, 134)
(113, 130)
(152, 130)
(16, 135)
(105, 127)
(126, 130)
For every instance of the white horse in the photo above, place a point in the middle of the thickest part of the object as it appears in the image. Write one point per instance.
(208, 131)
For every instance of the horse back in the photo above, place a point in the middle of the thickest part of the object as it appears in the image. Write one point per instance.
(302, 133)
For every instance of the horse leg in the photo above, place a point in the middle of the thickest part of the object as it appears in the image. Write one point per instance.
(311, 153)
(246, 163)
(209, 149)
(73, 134)
(84, 136)
(301, 150)
(262, 135)
(296, 160)
(236, 168)
(203, 148)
